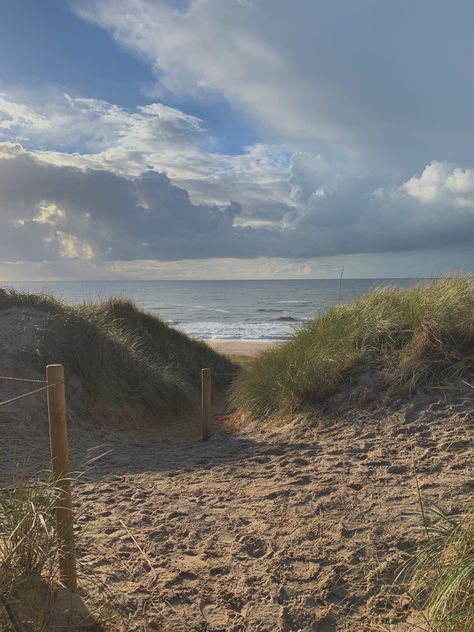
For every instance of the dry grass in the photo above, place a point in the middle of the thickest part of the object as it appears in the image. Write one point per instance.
(400, 340)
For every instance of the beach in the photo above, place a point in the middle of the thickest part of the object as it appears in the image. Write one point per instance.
(250, 348)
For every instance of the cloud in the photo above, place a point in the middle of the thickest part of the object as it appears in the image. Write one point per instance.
(94, 126)
(96, 135)
(379, 80)
(15, 116)
(49, 211)
(441, 182)
(349, 213)
(52, 212)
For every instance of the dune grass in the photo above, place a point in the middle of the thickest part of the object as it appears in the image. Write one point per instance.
(441, 571)
(124, 357)
(28, 551)
(401, 339)
(32, 596)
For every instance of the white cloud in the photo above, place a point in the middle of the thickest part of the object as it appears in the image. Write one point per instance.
(157, 137)
(96, 126)
(443, 182)
(369, 78)
(18, 115)
(71, 247)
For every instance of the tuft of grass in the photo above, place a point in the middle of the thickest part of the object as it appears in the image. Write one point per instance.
(28, 551)
(31, 594)
(400, 339)
(124, 357)
(441, 571)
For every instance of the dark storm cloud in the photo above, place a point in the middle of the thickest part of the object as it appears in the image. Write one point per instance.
(49, 211)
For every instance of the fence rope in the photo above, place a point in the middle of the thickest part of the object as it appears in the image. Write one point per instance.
(14, 399)
(21, 379)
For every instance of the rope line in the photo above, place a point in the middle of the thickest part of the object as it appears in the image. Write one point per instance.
(21, 379)
(14, 399)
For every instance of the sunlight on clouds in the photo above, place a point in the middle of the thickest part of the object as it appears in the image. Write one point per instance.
(443, 181)
(318, 207)
(10, 150)
(71, 247)
(158, 137)
(14, 115)
(49, 214)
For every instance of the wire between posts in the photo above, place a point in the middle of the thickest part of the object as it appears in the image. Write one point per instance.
(22, 379)
(43, 388)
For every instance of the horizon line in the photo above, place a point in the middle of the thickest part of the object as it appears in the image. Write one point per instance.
(423, 278)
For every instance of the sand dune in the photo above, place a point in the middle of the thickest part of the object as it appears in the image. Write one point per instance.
(259, 529)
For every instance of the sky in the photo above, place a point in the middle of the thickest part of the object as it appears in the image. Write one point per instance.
(161, 139)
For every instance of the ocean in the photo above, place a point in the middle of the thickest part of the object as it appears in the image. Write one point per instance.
(234, 310)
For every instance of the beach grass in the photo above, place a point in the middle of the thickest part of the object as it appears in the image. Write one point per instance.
(399, 340)
(29, 551)
(440, 573)
(32, 596)
(123, 356)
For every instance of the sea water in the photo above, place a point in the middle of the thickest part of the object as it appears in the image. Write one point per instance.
(235, 310)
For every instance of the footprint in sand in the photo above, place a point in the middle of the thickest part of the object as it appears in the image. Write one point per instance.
(254, 547)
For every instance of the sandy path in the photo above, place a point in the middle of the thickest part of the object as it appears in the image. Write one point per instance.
(249, 348)
(291, 530)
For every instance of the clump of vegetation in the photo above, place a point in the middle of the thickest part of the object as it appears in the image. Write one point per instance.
(28, 551)
(31, 594)
(403, 339)
(441, 571)
(124, 357)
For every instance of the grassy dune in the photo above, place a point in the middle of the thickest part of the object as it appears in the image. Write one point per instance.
(124, 357)
(400, 340)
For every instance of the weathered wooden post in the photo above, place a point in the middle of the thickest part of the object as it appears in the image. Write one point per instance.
(61, 472)
(206, 384)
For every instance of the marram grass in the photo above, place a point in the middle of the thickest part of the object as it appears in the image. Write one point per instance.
(125, 358)
(32, 597)
(28, 551)
(411, 338)
(441, 571)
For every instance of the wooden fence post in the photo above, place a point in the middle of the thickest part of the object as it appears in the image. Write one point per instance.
(206, 384)
(61, 472)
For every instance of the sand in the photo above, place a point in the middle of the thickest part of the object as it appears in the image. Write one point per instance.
(258, 530)
(297, 528)
(300, 528)
(249, 348)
